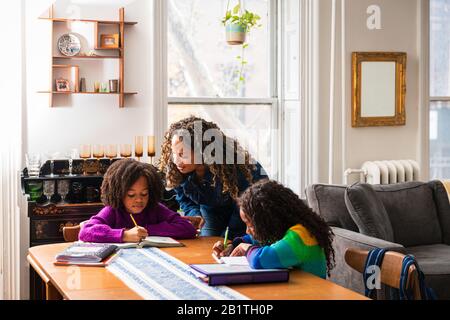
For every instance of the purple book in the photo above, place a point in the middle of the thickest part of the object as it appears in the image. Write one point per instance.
(222, 274)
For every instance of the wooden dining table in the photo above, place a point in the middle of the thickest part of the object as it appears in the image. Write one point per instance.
(98, 283)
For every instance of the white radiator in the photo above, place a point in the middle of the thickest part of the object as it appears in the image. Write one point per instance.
(386, 172)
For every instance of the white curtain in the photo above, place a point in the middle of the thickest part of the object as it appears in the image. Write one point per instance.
(11, 93)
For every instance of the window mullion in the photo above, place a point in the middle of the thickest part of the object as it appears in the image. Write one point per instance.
(438, 99)
(220, 101)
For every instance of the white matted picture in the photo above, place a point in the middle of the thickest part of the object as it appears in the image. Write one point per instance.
(62, 85)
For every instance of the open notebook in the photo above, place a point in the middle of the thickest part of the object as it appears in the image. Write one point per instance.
(151, 241)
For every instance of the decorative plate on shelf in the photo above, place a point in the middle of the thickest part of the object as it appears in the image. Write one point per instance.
(69, 44)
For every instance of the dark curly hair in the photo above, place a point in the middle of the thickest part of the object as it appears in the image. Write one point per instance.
(227, 174)
(273, 209)
(122, 174)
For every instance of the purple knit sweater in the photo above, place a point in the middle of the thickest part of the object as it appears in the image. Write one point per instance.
(109, 224)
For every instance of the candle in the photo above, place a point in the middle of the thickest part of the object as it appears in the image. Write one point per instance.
(151, 146)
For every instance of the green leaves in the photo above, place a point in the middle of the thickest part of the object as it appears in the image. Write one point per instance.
(242, 61)
(237, 8)
(246, 20)
(227, 17)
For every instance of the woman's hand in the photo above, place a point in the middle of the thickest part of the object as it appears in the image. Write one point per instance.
(240, 250)
(134, 235)
(196, 221)
(220, 251)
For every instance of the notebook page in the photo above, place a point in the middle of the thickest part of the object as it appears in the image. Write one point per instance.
(235, 261)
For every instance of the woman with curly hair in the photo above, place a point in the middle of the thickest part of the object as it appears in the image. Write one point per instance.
(282, 232)
(131, 190)
(208, 170)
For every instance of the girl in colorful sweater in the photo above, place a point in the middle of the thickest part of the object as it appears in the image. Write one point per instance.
(282, 232)
(132, 190)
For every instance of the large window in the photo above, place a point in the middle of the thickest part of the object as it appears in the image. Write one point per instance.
(204, 73)
(440, 89)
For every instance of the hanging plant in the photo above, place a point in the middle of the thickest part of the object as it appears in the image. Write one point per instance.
(238, 23)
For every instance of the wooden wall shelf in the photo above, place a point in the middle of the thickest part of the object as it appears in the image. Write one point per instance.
(120, 54)
(111, 49)
(85, 57)
(73, 92)
(128, 23)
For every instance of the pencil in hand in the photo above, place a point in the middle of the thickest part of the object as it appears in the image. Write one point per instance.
(134, 221)
(225, 240)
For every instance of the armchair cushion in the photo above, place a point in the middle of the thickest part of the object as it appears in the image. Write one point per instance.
(412, 211)
(434, 260)
(368, 212)
(328, 202)
(443, 208)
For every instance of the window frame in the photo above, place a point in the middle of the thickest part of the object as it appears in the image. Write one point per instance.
(273, 98)
(426, 40)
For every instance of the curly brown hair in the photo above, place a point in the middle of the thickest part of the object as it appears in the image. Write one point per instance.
(273, 209)
(227, 174)
(122, 174)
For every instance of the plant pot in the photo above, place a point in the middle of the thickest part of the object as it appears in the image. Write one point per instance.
(235, 34)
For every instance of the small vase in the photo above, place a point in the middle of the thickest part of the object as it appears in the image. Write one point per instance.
(235, 34)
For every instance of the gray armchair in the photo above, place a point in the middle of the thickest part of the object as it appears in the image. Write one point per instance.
(411, 218)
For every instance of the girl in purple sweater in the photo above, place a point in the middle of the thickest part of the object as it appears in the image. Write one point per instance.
(132, 189)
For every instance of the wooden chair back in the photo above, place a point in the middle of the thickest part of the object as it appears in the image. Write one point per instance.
(70, 234)
(391, 269)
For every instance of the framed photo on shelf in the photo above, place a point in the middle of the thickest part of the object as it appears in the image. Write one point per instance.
(62, 85)
(110, 41)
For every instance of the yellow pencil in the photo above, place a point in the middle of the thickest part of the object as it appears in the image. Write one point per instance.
(134, 221)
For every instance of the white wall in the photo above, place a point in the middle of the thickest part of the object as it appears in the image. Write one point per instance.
(88, 119)
(400, 32)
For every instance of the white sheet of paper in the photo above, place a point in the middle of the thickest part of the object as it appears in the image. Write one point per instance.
(160, 239)
(235, 261)
(83, 250)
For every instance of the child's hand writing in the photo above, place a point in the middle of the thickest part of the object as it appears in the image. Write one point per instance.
(134, 235)
(240, 250)
(220, 251)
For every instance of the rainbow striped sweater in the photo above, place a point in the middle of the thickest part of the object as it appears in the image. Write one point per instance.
(298, 249)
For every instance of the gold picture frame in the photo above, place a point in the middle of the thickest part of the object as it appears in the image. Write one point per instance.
(378, 89)
(109, 41)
